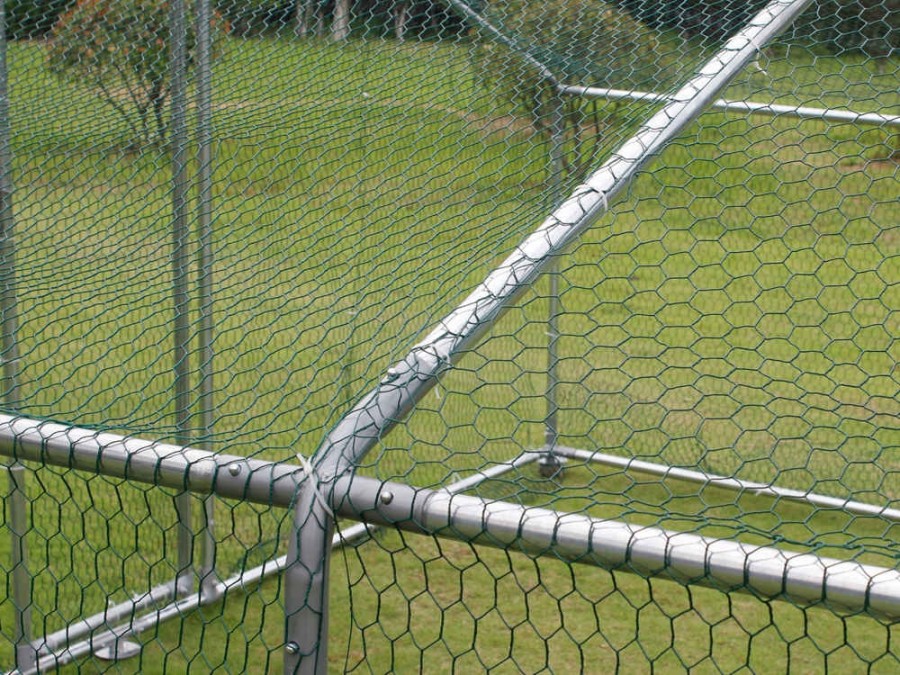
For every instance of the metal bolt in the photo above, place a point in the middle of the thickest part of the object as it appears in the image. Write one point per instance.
(234, 469)
(387, 497)
(392, 372)
(292, 648)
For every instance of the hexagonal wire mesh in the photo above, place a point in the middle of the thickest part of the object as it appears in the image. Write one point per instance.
(669, 417)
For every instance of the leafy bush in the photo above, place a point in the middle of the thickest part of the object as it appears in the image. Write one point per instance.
(870, 27)
(252, 17)
(713, 19)
(121, 49)
(579, 42)
(32, 18)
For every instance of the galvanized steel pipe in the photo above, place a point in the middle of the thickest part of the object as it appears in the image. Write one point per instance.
(752, 107)
(651, 551)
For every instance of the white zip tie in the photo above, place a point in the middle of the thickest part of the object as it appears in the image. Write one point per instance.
(604, 204)
(314, 477)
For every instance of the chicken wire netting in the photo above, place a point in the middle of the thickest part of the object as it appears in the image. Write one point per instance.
(223, 221)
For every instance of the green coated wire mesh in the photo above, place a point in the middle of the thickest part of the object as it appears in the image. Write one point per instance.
(229, 254)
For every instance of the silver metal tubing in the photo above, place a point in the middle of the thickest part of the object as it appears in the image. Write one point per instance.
(550, 463)
(685, 557)
(264, 482)
(200, 471)
(306, 576)
(173, 466)
(155, 597)
(306, 582)
(9, 324)
(16, 497)
(52, 647)
(408, 381)
(492, 472)
(650, 551)
(614, 94)
(205, 334)
(726, 483)
(552, 420)
(138, 624)
(754, 107)
(178, 63)
(21, 575)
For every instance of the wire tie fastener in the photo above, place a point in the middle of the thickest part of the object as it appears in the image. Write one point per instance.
(314, 477)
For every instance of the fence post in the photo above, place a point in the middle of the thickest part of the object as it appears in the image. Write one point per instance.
(549, 463)
(180, 273)
(9, 353)
(206, 402)
(306, 582)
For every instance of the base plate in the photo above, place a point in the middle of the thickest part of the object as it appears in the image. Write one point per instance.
(118, 650)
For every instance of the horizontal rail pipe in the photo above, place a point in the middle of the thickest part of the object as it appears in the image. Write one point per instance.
(651, 551)
(155, 597)
(145, 461)
(753, 107)
(166, 465)
(482, 23)
(729, 483)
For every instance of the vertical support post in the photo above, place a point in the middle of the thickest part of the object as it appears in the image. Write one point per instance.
(9, 353)
(26, 657)
(205, 270)
(178, 62)
(549, 464)
(306, 583)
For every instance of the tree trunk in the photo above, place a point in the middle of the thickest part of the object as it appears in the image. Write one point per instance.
(158, 95)
(305, 17)
(401, 18)
(301, 26)
(340, 27)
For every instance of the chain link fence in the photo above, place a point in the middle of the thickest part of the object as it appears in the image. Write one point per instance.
(256, 419)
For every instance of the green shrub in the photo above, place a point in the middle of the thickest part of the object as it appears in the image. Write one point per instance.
(120, 48)
(252, 17)
(32, 18)
(870, 27)
(589, 43)
(712, 19)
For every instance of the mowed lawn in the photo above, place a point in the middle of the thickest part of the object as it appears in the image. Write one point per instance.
(736, 312)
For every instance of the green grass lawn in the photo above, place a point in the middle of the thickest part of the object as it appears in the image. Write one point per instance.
(738, 311)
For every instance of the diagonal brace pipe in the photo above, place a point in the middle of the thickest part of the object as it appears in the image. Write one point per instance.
(409, 380)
